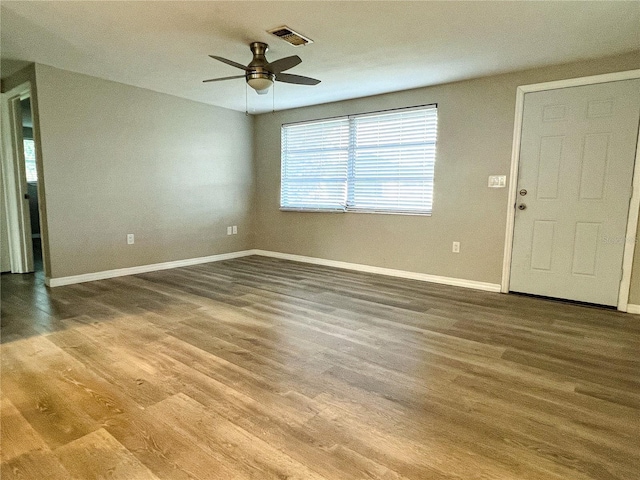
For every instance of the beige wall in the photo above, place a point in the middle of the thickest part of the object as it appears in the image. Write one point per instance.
(475, 135)
(119, 159)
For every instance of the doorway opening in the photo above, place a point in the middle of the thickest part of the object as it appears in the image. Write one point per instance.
(23, 243)
(31, 172)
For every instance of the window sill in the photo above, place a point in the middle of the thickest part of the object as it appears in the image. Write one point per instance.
(378, 212)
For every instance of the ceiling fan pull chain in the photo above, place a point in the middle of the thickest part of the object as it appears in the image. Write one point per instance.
(246, 100)
(273, 99)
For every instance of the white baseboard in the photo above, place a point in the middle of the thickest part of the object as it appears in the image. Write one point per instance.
(424, 277)
(633, 309)
(121, 272)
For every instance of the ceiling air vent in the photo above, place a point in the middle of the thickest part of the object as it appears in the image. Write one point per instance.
(289, 36)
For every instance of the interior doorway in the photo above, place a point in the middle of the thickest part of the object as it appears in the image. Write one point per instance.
(22, 190)
(31, 173)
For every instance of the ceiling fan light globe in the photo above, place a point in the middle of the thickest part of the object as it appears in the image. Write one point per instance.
(260, 83)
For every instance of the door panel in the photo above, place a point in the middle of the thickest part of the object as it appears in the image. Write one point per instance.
(542, 244)
(576, 164)
(549, 167)
(594, 166)
(585, 248)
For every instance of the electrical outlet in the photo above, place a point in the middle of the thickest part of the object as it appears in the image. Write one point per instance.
(229, 230)
(456, 247)
(235, 229)
(130, 239)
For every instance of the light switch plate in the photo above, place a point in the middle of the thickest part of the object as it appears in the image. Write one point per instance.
(497, 181)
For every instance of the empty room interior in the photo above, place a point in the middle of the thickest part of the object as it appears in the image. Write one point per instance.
(320, 240)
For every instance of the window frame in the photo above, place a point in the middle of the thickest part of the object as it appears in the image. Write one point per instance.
(349, 182)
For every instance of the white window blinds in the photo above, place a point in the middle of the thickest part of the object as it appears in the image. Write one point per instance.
(393, 160)
(380, 162)
(314, 165)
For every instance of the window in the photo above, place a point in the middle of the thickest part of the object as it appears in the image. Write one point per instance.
(30, 160)
(379, 162)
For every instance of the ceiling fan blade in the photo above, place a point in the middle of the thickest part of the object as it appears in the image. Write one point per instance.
(230, 62)
(297, 79)
(283, 64)
(223, 78)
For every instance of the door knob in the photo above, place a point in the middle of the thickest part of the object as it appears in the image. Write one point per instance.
(522, 206)
(523, 192)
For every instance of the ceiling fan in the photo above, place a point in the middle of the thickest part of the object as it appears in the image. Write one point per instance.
(260, 73)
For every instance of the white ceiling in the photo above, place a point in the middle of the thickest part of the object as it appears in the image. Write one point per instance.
(361, 47)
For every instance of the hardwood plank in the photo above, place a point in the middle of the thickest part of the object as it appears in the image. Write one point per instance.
(166, 452)
(27, 382)
(123, 356)
(220, 437)
(99, 454)
(17, 435)
(34, 465)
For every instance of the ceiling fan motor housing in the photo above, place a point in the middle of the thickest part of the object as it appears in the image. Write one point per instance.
(258, 75)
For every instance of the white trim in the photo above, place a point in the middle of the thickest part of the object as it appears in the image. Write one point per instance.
(423, 277)
(581, 81)
(15, 181)
(121, 272)
(634, 206)
(631, 308)
(632, 227)
(513, 186)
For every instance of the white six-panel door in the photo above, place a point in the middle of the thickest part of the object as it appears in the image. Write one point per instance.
(575, 175)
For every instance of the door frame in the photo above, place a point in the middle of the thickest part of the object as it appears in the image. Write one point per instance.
(634, 203)
(15, 183)
(14, 180)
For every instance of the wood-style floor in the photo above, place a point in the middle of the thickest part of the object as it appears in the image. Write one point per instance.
(258, 368)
